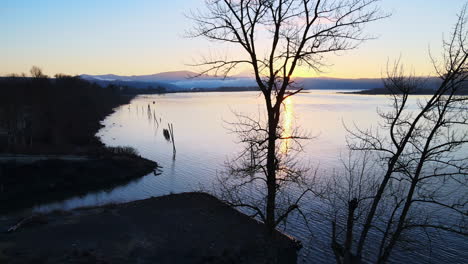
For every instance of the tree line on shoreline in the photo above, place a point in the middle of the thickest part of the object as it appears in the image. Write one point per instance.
(61, 114)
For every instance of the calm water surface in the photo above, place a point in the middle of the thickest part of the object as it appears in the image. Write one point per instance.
(204, 143)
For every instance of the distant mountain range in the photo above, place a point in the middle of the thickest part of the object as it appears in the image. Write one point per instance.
(158, 77)
(185, 80)
(175, 80)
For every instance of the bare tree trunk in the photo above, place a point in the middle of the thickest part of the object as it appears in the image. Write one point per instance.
(271, 173)
(298, 38)
(343, 254)
(414, 182)
(348, 256)
(391, 165)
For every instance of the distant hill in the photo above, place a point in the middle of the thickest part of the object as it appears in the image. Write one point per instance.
(322, 83)
(158, 77)
(182, 80)
(172, 81)
(137, 84)
(422, 91)
(168, 76)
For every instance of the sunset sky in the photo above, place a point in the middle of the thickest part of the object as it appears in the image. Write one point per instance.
(147, 36)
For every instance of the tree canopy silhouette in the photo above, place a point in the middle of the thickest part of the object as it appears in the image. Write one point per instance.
(276, 37)
(53, 113)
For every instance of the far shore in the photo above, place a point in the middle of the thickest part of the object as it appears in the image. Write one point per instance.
(384, 91)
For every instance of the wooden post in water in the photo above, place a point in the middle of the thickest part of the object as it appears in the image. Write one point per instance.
(171, 131)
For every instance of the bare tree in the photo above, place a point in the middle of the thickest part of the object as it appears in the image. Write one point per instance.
(424, 165)
(243, 184)
(277, 36)
(36, 72)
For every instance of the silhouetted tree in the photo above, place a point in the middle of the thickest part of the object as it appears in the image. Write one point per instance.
(61, 112)
(36, 72)
(424, 177)
(295, 32)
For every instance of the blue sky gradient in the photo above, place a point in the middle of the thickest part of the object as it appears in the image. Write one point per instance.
(147, 36)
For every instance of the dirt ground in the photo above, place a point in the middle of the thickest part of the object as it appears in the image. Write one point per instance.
(181, 228)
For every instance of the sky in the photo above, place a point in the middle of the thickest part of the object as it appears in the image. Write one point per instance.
(149, 36)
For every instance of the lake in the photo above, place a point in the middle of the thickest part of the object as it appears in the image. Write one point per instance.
(204, 144)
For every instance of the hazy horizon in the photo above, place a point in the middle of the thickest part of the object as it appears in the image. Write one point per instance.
(237, 75)
(147, 37)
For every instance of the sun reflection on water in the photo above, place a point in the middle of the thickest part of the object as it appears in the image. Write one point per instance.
(287, 125)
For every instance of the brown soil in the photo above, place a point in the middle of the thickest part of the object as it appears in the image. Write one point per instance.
(181, 228)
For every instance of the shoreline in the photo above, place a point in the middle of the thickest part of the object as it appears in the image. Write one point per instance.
(46, 172)
(27, 184)
(383, 91)
(177, 228)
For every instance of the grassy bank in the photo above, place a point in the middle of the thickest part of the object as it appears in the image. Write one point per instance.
(24, 185)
